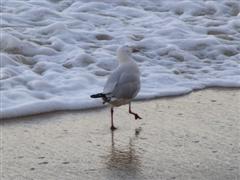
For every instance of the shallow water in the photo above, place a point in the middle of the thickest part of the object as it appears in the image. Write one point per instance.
(54, 54)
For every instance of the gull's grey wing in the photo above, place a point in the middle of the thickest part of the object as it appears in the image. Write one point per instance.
(112, 81)
(124, 82)
(127, 86)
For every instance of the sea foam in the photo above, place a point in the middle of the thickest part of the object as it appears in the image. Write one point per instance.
(55, 54)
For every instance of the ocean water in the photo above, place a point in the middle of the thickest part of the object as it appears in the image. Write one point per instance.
(56, 53)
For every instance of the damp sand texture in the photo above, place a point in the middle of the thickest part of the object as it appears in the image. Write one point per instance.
(190, 137)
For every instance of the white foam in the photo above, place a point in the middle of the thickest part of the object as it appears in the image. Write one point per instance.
(55, 54)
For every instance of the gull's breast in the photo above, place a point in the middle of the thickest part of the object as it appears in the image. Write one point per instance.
(119, 102)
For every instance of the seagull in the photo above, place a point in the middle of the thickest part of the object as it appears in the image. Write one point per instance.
(123, 84)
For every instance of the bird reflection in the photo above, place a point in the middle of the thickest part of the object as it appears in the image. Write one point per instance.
(124, 160)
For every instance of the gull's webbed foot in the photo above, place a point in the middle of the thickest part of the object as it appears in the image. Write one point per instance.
(113, 128)
(137, 116)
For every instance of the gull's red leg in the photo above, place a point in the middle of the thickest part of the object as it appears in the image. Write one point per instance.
(112, 126)
(135, 114)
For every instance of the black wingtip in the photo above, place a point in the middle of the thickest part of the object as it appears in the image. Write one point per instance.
(93, 96)
(99, 95)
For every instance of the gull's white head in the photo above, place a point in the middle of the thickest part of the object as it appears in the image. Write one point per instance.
(126, 49)
(124, 53)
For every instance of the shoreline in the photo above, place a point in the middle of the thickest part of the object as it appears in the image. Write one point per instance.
(195, 136)
(135, 100)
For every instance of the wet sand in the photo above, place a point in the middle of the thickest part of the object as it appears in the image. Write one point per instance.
(190, 137)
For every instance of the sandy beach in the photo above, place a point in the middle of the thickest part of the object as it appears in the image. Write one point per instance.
(189, 137)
